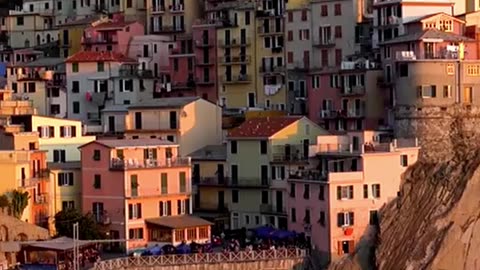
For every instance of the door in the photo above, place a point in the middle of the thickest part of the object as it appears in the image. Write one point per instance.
(220, 174)
(264, 174)
(221, 199)
(138, 120)
(355, 143)
(251, 100)
(196, 173)
(306, 148)
(467, 95)
(111, 124)
(279, 201)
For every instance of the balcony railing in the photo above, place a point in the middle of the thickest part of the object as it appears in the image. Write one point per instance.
(236, 79)
(176, 8)
(200, 259)
(119, 164)
(93, 116)
(228, 60)
(149, 191)
(308, 175)
(435, 55)
(324, 42)
(289, 153)
(269, 69)
(158, 9)
(205, 42)
(234, 42)
(350, 113)
(136, 72)
(353, 91)
(204, 82)
(167, 29)
(270, 30)
(233, 182)
(272, 209)
(99, 40)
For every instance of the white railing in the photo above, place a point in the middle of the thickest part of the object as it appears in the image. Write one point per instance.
(205, 258)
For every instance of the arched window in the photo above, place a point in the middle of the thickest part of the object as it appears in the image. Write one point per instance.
(27, 43)
(48, 38)
(38, 39)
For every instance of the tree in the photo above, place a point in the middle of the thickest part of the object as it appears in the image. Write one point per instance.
(4, 201)
(88, 228)
(18, 203)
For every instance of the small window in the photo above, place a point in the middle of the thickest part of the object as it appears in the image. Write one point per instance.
(345, 219)
(447, 91)
(403, 70)
(100, 66)
(75, 86)
(265, 197)
(345, 192)
(234, 196)
(233, 147)
(306, 191)
(427, 91)
(75, 67)
(373, 217)
(97, 181)
(376, 191)
(96, 154)
(263, 147)
(450, 69)
(404, 160)
(321, 219)
(338, 10)
(20, 21)
(293, 215)
(365, 191)
(76, 107)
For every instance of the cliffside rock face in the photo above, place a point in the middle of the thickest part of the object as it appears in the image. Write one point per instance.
(434, 223)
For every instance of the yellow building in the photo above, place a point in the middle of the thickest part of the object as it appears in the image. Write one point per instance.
(211, 195)
(71, 33)
(170, 16)
(251, 62)
(66, 185)
(260, 154)
(191, 122)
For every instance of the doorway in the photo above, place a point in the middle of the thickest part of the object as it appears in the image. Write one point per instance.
(111, 124)
(346, 247)
(467, 95)
(221, 174)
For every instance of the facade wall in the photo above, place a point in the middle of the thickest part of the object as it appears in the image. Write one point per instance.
(206, 87)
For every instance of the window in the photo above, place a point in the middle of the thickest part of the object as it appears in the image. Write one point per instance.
(75, 87)
(306, 218)
(31, 87)
(324, 11)
(180, 207)
(315, 81)
(54, 109)
(75, 67)
(321, 218)
(338, 31)
(265, 197)
(447, 91)
(321, 193)
(376, 191)
(427, 91)
(263, 147)
(338, 9)
(47, 6)
(451, 69)
(292, 190)
(290, 16)
(134, 210)
(129, 3)
(345, 219)
(100, 67)
(59, 5)
(404, 160)
(175, 64)
(266, 43)
(65, 179)
(345, 192)
(58, 155)
(183, 182)
(68, 205)
(135, 233)
(165, 208)
(293, 215)
(247, 219)
(97, 181)
(290, 57)
(247, 17)
(303, 34)
(192, 234)
(76, 107)
(234, 196)
(233, 147)
(365, 191)
(373, 217)
(19, 20)
(403, 70)
(304, 15)
(46, 132)
(164, 183)
(96, 154)
(290, 35)
(306, 191)
(68, 131)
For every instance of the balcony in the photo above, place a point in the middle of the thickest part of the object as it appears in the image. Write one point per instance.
(205, 42)
(177, 8)
(210, 61)
(353, 91)
(228, 182)
(168, 29)
(270, 30)
(158, 9)
(235, 60)
(177, 52)
(269, 69)
(439, 54)
(119, 164)
(239, 79)
(40, 199)
(99, 40)
(273, 209)
(324, 43)
(212, 207)
(290, 154)
(135, 73)
(234, 42)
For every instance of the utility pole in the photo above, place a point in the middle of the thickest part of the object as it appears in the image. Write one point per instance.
(75, 246)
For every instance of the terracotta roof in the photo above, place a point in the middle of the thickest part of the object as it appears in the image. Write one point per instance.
(177, 222)
(91, 56)
(428, 16)
(111, 25)
(428, 34)
(210, 152)
(162, 103)
(126, 143)
(264, 127)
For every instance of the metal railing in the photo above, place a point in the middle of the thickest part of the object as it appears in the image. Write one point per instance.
(353, 91)
(234, 42)
(160, 8)
(231, 182)
(236, 79)
(271, 29)
(120, 164)
(269, 208)
(205, 258)
(244, 59)
(324, 42)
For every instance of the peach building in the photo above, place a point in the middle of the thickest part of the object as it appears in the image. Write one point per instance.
(140, 190)
(336, 201)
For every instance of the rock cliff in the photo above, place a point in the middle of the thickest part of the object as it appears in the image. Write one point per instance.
(434, 223)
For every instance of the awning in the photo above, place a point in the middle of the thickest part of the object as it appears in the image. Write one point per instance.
(178, 222)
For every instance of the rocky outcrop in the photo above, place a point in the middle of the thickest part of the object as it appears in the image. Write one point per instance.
(434, 223)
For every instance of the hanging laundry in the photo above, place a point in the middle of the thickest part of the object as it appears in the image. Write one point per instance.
(272, 89)
(88, 96)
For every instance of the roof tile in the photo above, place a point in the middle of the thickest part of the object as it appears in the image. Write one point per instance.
(262, 127)
(92, 56)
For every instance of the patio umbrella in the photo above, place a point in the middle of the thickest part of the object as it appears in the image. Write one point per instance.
(282, 234)
(156, 250)
(183, 249)
(169, 249)
(263, 231)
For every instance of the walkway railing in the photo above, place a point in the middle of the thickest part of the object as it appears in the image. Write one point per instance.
(204, 258)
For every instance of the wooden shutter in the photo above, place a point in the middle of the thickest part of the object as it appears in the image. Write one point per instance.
(56, 156)
(74, 131)
(340, 219)
(61, 178)
(51, 131)
(340, 249)
(130, 211)
(339, 193)
(351, 215)
(40, 133)
(70, 178)
(160, 206)
(351, 246)
(62, 132)
(350, 189)
(139, 210)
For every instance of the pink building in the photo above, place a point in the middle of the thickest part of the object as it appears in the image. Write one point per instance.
(113, 35)
(205, 49)
(347, 98)
(337, 200)
(140, 190)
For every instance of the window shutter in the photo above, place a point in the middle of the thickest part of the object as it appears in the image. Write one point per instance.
(187, 206)
(365, 191)
(350, 189)
(339, 193)
(56, 156)
(74, 131)
(169, 208)
(419, 91)
(434, 91)
(273, 172)
(62, 132)
(70, 178)
(51, 131)
(60, 179)
(340, 219)
(139, 210)
(340, 248)
(351, 215)
(130, 211)
(40, 133)
(160, 206)
(282, 172)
